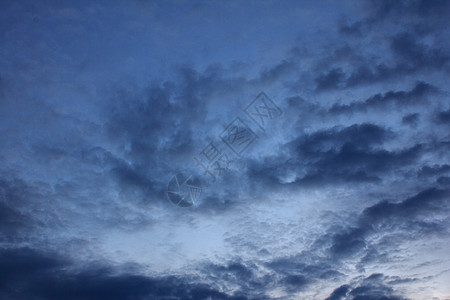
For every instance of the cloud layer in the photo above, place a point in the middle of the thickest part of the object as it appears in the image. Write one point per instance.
(342, 194)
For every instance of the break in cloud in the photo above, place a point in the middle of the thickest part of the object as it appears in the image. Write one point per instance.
(343, 196)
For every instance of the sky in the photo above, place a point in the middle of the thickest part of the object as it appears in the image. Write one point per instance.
(225, 149)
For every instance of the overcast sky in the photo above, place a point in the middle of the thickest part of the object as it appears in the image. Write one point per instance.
(317, 131)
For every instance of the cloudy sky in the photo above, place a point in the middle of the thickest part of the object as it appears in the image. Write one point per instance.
(334, 183)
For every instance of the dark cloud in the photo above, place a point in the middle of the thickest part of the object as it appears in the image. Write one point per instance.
(355, 29)
(242, 275)
(10, 220)
(353, 239)
(296, 274)
(436, 170)
(156, 126)
(336, 155)
(160, 123)
(362, 136)
(411, 119)
(131, 175)
(423, 202)
(404, 10)
(444, 117)
(233, 272)
(276, 72)
(373, 255)
(295, 282)
(350, 164)
(410, 56)
(423, 8)
(332, 79)
(339, 293)
(416, 95)
(141, 123)
(416, 55)
(160, 120)
(444, 181)
(22, 265)
(15, 218)
(373, 287)
(26, 273)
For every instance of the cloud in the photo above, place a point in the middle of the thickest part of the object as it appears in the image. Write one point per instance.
(435, 170)
(373, 287)
(416, 55)
(15, 215)
(276, 72)
(333, 79)
(422, 8)
(378, 12)
(243, 277)
(296, 274)
(412, 57)
(353, 239)
(295, 282)
(86, 157)
(305, 269)
(336, 155)
(29, 273)
(355, 29)
(417, 95)
(362, 136)
(339, 293)
(443, 117)
(411, 119)
(412, 47)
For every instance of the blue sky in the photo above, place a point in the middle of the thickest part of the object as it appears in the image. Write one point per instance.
(342, 194)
